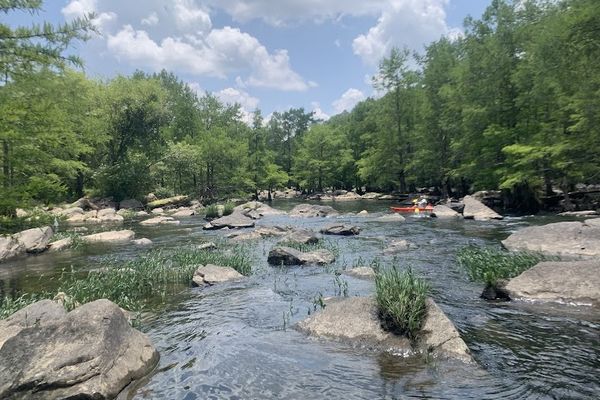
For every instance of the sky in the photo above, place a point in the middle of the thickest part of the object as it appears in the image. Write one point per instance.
(266, 54)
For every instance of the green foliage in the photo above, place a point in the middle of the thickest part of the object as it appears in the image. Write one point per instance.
(489, 265)
(35, 219)
(10, 305)
(228, 208)
(401, 301)
(211, 211)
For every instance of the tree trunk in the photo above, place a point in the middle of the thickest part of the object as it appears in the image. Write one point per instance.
(6, 163)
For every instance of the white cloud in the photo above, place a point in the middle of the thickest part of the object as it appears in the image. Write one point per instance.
(190, 17)
(221, 52)
(319, 113)
(410, 23)
(248, 103)
(348, 100)
(151, 20)
(195, 86)
(81, 8)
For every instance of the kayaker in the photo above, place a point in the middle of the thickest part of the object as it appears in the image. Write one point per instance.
(422, 202)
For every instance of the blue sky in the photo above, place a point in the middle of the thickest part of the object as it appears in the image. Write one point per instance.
(267, 54)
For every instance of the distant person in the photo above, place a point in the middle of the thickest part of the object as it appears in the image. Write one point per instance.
(422, 203)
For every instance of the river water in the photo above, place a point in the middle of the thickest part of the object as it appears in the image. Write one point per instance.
(237, 341)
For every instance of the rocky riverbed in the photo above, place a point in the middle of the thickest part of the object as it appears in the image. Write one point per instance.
(232, 337)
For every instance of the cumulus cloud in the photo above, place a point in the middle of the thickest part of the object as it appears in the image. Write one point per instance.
(348, 100)
(221, 52)
(247, 102)
(151, 19)
(319, 113)
(191, 17)
(81, 8)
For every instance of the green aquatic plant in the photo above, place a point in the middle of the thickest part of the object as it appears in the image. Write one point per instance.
(489, 265)
(211, 211)
(309, 247)
(401, 298)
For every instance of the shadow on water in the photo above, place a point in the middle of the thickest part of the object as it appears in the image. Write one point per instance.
(236, 341)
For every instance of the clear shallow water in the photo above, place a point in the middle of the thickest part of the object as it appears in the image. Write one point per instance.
(234, 341)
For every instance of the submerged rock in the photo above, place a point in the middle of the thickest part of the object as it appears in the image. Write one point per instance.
(91, 352)
(395, 217)
(142, 242)
(160, 220)
(61, 244)
(474, 209)
(340, 229)
(257, 210)
(559, 281)
(312, 210)
(235, 220)
(561, 238)
(35, 240)
(110, 237)
(210, 274)
(301, 236)
(289, 256)
(355, 319)
(396, 246)
(361, 272)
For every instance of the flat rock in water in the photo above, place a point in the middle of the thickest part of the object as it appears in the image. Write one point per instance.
(257, 210)
(559, 281)
(160, 220)
(350, 196)
(207, 246)
(361, 272)
(444, 212)
(587, 213)
(35, 240)
(110, 237)
(170, 202)
(391, 218)
(142, 242)
(371, 196)
(312, 210)
(340, 229)
(183, 212)
(399, 245)
(301, 236)
(235, 220)
(91, 352)
(354, 319)
(474, 209)
(61, 244)
(561, 238)
(210, 274)
(10, 247)
(289, 256)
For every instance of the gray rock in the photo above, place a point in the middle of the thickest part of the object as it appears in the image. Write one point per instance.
(311, 210)
(340, 229)
(183, 212)
(559, 281)
(207, 246)
(106, 212)
(349, 196)
(91, 352)
(474, 209)
(158, 211)
(69, 212)
(363, 212)
(257, 210)
(174, 201)
(397, 246)
(355, 319)
(141, 214)
(301, 236)
(587, 213)
(371, 196)
(35, 240)
(110, 237)
(85, 204)
(395, 217)
(210, 274)
(131, 204)
(594, 222)
(235, 220)
(40, 314)
(361, 272)
(561, 238)
(142, 242)
(289, 256)
(444, 212)
(60, 245)
(160, 220)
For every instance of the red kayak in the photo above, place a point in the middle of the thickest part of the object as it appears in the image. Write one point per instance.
(412, 209)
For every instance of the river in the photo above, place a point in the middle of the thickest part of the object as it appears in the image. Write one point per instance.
(237, 341)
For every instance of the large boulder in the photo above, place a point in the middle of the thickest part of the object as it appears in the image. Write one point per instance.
(312, 210)
(110, 237)
(444, 212)
(109, 215)
(60, 245)
(289, 256)
(355, 319)
(349, 196)
(561, 238)
(234, 220)
(35, 240)
(301, 236)
(183, 212)
(131, 204)
(85, 204)
(10, 247)
(259, 233)
(474, 209)
(174, 201)
(160, 221)
(559, 281)
(208, 275)
(340, 229)
(256, 210)
(69, 212)
(90, 353)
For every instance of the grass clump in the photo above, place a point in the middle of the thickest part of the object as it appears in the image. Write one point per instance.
(10, 305)
(401, 301)
(211, 211)
(309, 247)
(490, 265)
(35, 219)
(228, 208)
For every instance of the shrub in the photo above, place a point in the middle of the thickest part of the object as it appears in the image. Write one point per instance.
(489, 265)
(401, 301)
(211, 211)
(228, 208)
